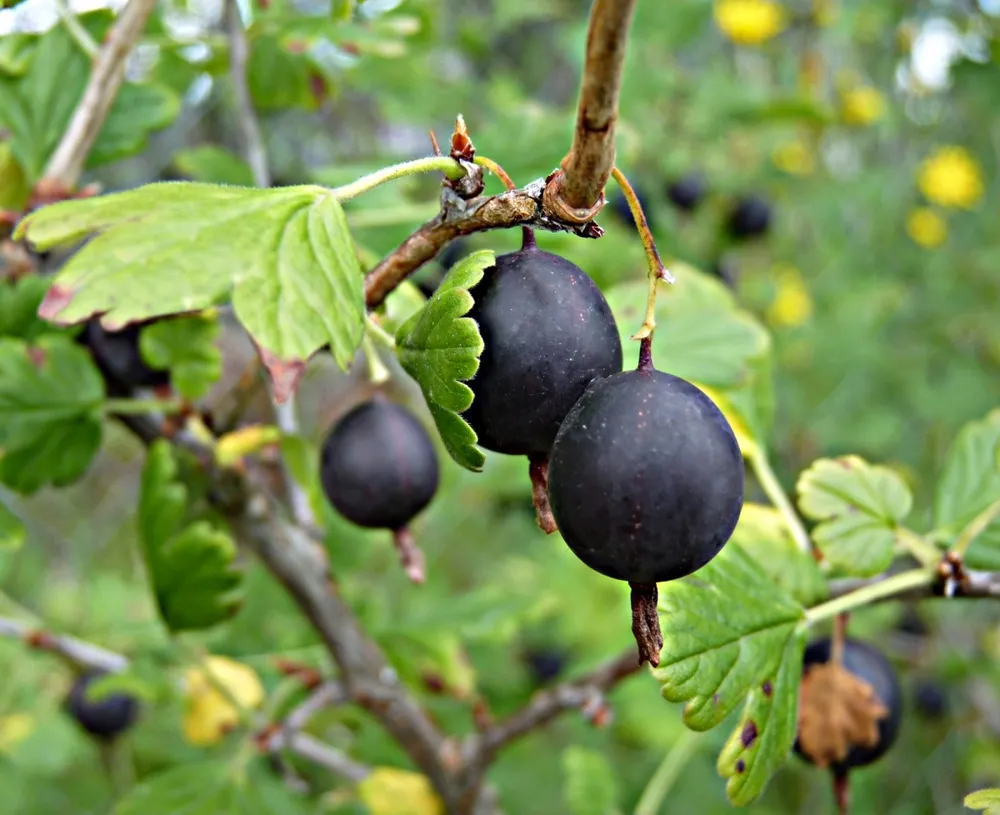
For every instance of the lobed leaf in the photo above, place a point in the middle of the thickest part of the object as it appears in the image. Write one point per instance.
(860, 506)
(186, 347)
(440, 348)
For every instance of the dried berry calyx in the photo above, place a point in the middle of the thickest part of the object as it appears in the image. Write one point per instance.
(849, 711)
(379, 469)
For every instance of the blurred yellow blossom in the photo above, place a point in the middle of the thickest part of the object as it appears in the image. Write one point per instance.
(15, 728)
(749, 22)
(792, 305)
(951, 177)
(861, 106)
(926, 227)
(794, 157)
(388, 791)
(209, 714)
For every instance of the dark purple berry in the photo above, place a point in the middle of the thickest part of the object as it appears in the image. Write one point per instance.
(687, 192)
(104, 718)
(645, 477)
(930, 698)
(870, 666)
(118, 357)
(378, 466)
(546, 664)
(547, 332)
(750, 218)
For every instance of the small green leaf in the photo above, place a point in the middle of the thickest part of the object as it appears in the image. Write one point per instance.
(860, 506)
(590, 786)
(284, 254)
(440, 348)
(50, 397)
(19, 302)
(701, 333)
(763, 534)
(213, 164)
(185, 347)
(969, 484)
(278, 79)
(988, 799)
(209, 788)
(12, 531)
(139, 110)
(766, 729)
(190, 564)
(725, 630)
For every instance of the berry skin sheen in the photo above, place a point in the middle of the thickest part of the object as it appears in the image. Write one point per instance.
(547, 332)
(646, 477)
(378, 466)
(106, 718)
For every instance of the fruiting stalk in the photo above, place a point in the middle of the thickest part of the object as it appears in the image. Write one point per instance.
(975, 528)
(443, 164)
(897, 584)
(776, 495)
(657, 271)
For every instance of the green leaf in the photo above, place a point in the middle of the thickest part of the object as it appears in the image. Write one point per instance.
(969, 484)
(278, 79)
(191, 565)
(725, 630)
(209, 788)
(14, 187)
(440, 348)
(988, 799)
(400, 305)
(284, 254)
(12, 531)
(139, 110)
(766, 730)
(701, 334)
(590, 786)
(213, 164)
(185, 347)
(50, 398)
(19, 302)
(860, 506)
(763, 534)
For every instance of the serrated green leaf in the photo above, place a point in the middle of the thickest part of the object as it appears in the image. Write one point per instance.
(12, 531)
(213, 164)
(19, 301)
(860, 506)
(988, 799)
(284, 254)
(209, 788)
(763, 534)
(440, 348)
(969, 484)
(766, 729)
(701, 333)
(191, 565)
(725, 629)
(50, 397)
(185, 347)
(590, 786)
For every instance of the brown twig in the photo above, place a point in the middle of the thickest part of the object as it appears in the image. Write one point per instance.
(82, 655)
(106, 77)
(576, 191)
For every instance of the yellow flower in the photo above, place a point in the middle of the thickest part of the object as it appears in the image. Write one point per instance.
(926, 227)
(794, 157)
(861, 106)
(388, 791)
(951, 177)
(749, 22)
(792, 305)
(209, 714)
(14, 729)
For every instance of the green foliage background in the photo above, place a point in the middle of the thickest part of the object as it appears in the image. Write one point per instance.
(900, 351)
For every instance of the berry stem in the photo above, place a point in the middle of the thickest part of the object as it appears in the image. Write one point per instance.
(497, 170)
(839, 637)
(842, 793)
(410, 556)
(528, 238)
(645, 354)
(444, 164)
(538, 471)
(657, 271)
(646, 622)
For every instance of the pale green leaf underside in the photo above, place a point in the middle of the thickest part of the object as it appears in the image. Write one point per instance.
(988, 799)
(766, 729)
(191, 565)
(860, 505)
(440, 348)
(284, 255)
(724, 630)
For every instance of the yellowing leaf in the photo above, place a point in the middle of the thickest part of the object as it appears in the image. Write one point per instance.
(234, 446)
(390, 791)
(209, 714)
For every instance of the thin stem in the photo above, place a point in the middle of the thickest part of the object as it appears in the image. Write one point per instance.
(667, 773)
(776, 495)
(657, 271)
(443, 164)
(975, 528)
(79, 34)
(378, 333)
(254, 149)
(897, 584)
(133, 407)
(839, 637)
(923, 550)
(497, 170)
(377, 372)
